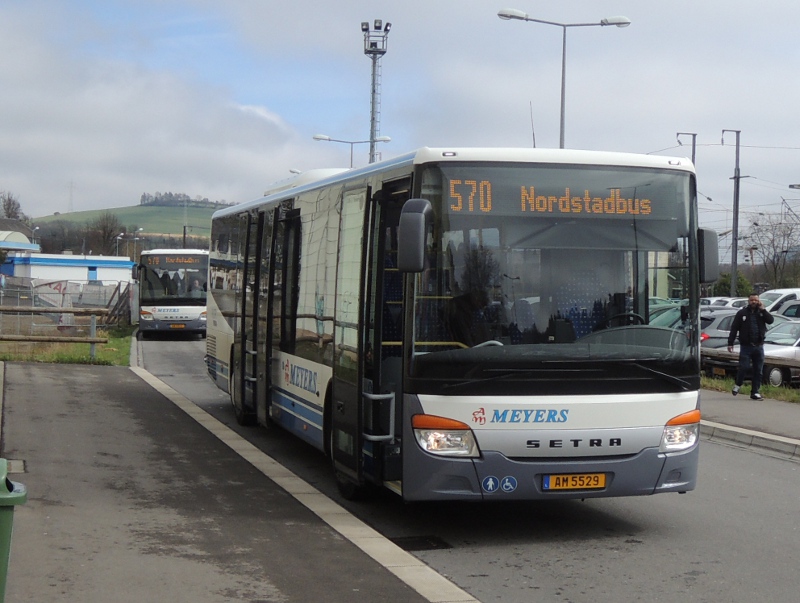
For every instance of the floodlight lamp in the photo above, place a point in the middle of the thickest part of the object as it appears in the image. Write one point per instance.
(618, 21)
(378, 24)
(387, 28)
(364, 26)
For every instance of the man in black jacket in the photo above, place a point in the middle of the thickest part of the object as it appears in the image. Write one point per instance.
(750, 324)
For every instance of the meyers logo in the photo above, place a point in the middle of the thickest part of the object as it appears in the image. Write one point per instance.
(301, 377)
(541, 415)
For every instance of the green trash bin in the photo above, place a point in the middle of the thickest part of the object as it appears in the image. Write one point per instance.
(11, 495)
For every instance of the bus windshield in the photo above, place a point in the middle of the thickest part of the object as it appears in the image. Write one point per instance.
(173, 278)
(546, 272)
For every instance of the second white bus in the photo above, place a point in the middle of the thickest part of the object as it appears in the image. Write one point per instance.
(172, 291)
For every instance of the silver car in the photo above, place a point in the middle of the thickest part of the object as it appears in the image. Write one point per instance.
(715, 327)
(781, 344)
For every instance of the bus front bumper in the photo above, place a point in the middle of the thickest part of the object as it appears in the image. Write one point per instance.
(494, 476)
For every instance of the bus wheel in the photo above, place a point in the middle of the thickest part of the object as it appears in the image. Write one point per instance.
(773, 375)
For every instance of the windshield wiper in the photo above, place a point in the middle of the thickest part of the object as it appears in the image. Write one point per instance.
(685, 385)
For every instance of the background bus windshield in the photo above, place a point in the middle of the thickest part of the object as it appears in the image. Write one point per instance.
(174, 278)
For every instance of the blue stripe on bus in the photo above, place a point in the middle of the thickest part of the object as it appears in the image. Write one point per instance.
(296, 415)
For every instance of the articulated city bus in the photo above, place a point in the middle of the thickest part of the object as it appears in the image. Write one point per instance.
(471, 324)
(172, 291)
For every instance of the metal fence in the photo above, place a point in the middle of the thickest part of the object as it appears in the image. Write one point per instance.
(46, 310)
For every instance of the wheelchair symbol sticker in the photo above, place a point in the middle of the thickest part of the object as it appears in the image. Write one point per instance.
(508, 484)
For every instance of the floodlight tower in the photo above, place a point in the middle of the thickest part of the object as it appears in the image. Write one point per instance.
(375, 48)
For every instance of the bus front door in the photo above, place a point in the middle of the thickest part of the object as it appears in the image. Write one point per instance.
(364, 425)
(246, 351)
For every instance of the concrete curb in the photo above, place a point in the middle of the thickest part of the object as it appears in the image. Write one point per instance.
(765, 443)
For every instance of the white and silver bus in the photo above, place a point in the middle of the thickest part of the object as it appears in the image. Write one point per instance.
(472, 324)
(172, 291)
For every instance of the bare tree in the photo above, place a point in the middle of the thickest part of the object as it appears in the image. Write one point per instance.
(101, 233)
(11, 207)
(771, 239)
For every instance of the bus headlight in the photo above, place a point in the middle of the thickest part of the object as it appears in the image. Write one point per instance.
(681, 432)
(445, 437)
(203, 316)
(145, 315)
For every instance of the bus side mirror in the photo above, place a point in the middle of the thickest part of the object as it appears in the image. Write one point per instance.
(414, 220)
(708, 247)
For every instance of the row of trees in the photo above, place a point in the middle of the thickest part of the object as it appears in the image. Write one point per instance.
(178, 200)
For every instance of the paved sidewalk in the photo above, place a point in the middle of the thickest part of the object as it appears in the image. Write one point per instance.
(771, 426)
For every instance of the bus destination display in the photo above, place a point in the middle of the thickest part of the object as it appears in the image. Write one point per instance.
(173, 262)
(505, 198)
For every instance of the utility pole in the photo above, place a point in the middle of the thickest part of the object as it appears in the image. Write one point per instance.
(735, 226)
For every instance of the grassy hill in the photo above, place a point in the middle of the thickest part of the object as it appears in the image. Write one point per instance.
(152, 219)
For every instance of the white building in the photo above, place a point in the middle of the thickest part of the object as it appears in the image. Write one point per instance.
(105, 268)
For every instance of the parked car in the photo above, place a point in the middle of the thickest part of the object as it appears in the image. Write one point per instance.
(789, 309)
(774, 299)
(730, 302)
(715, 326)
(707, 301)
(781, 343)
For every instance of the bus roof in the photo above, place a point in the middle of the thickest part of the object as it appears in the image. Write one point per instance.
(322, 177)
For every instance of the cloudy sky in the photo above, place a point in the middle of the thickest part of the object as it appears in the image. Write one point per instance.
(104, 100)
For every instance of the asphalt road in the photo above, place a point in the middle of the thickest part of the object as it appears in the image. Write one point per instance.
(733, 539)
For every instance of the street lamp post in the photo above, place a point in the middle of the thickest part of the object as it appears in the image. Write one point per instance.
(512, 13)
(135, 238)
(118, 237)
(324, 138)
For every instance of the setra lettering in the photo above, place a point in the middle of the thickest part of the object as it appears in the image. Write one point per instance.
(576, 443)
